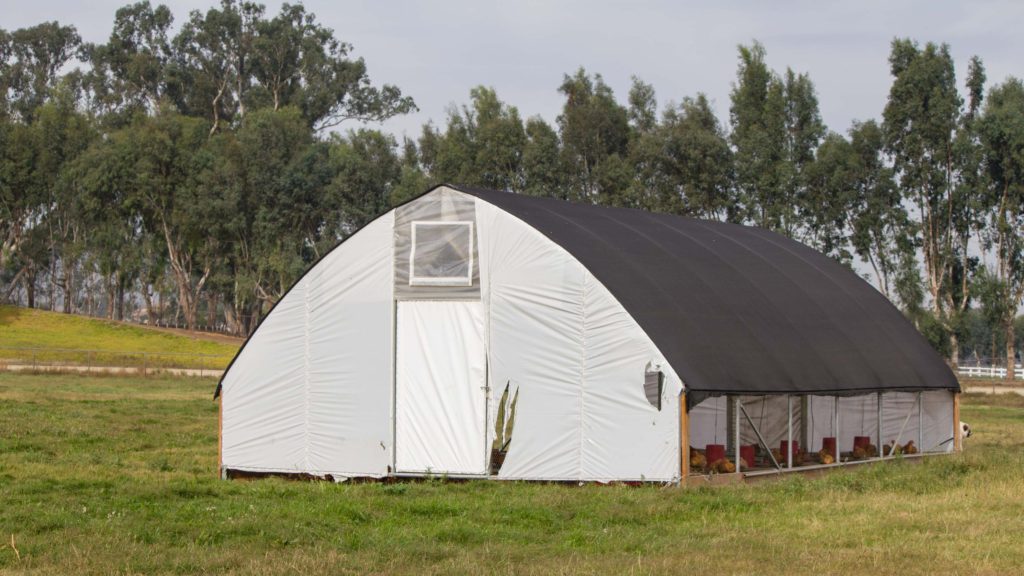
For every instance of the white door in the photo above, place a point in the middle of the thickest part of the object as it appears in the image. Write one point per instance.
(440, 388)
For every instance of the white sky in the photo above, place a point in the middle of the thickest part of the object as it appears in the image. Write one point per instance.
(437, 53)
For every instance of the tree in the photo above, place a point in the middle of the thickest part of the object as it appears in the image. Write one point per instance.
(542, 174)
(130, 72)
(1001, 131)
(776, 128)
(30, 62)
(298, 62)
(697, 162)
(482, 144)
(828, 196)
(594, 130)
(920, 121)
(881, 231)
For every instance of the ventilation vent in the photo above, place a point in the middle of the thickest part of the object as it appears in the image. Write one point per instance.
(654, 384)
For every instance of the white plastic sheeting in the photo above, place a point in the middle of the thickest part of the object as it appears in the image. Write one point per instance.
(578, 361)
(311, 391)
(440, 381)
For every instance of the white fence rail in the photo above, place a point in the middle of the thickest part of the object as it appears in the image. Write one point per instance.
(989, 372)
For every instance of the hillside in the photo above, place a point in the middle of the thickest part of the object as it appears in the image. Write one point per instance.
(112, 343)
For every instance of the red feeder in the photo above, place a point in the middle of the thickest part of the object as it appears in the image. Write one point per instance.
(829, 443)
(861, 441)
(714, 452)
(785, 452)
(747, 454)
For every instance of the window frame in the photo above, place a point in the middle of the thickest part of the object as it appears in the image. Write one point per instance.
(415, 280)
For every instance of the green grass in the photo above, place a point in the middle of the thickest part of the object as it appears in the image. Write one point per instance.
(116, 342)
(118, 475)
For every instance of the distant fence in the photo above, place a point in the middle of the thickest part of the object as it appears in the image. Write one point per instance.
(109, 361)
(989, 372)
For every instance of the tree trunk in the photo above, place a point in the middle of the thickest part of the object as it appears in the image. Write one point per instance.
(211, 310)
(954, 351)
(120, 300)
(69, 286)
(147, 298)
(111, 298)
(1011, 361)
(30, 289)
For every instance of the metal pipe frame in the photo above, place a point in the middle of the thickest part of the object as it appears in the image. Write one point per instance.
(760, 438)
(789, 431)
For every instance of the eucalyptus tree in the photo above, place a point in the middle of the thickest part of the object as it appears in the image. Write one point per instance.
(1001, 131)
(776, 128)
(830, 181)
(756, 116)
(881, 232)
(130, 72)
(31, 60)
(482, 144)
(594, 131)
(921, 119)
(542, 171)
(697, 161)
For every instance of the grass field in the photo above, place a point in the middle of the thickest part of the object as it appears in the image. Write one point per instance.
(118, 475)
(28, 328)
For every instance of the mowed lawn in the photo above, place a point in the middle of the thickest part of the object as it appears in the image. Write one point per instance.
(113, 343)
(118, 475)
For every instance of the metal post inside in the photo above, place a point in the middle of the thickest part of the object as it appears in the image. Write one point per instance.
(736, 430)
(789, 431)
(835, 422)
(878, 442)
(920, 421)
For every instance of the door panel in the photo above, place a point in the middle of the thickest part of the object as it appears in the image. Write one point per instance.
(440, 395)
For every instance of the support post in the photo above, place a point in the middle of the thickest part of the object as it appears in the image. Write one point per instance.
(920, 421)
(958, 444)
(684, 439)
(789, 431)
(220, 435)
(878, 442)
(736, 431)
(805, 422)
(835, 423)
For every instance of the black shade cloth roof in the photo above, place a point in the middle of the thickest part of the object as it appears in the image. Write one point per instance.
(736, 309)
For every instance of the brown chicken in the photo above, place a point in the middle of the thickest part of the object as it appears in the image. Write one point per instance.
(723, 466)
(825, 457)
(698, 461)
(909, 448)
(859, 453)
(871, 451)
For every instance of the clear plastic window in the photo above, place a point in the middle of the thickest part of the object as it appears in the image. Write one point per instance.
(441, 254)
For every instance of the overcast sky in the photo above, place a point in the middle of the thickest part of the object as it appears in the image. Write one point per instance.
(437, 53)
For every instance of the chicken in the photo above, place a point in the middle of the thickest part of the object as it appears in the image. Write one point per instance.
(724, 466)
(859, 453)
(871, 451)
(909, 448)
(698, 461)
(825, 457)
(799, 457)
